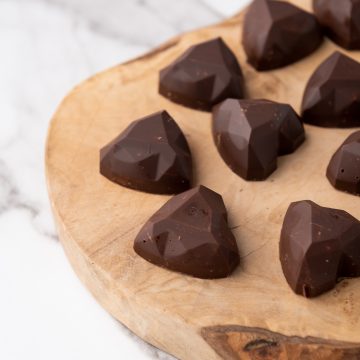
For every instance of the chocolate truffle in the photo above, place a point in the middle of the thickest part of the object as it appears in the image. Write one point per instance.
(277, 33)
(190, 234)
(251, 134)
(204, 75)
(332, 95)
(340, 20)
(290, 127)
(318, 247)
(343, 171)
(151, 155)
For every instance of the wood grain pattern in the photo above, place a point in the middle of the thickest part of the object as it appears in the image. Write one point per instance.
(243, 343)
(98, 220)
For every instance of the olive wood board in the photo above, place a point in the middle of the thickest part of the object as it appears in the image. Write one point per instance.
(253, 314)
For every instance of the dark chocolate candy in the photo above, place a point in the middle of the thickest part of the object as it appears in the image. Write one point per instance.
(340, 20)
(332, 95)
(204, 75)
(344, 167)
(277, 33)
(190, 234)
(290, 127)
(318, 247)
(251, 134)
(151, 155)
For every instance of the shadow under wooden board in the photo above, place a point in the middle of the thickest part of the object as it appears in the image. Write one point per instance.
(253, 314)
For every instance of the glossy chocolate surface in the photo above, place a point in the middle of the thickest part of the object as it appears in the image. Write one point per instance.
(318, 247)
(277, 33)
(206, 74)
(343, 171)
(251, 134)
(340, 20)
(151, 155)
(190, 234)
(332, 95)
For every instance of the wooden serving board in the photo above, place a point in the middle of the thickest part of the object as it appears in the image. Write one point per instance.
(253, 314)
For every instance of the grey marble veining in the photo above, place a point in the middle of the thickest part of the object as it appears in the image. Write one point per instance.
(141, 22)
(47, 47)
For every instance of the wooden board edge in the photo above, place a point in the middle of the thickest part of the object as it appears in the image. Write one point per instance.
(236, 342)
(228, 341)
(116, 303)
(146, 56)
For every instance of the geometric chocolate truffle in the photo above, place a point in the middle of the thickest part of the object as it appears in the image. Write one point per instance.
(251, 134)
(190, 234)
(290, 127)
(151, 155)
(318, 247)
(344, 168)
(340, 20)
(204, 75)
(277, 33)
(332, 95)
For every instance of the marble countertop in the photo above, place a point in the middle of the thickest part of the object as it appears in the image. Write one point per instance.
(47, 47)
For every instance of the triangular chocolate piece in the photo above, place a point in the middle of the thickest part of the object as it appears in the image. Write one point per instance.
(318, 247)
(151, 155)
(277, 33)
(344, 168)
(332, 95)
(251, 134)
(340, 20)
(190, 234)
(204, 75)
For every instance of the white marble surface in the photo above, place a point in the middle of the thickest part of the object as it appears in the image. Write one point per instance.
(48, 46)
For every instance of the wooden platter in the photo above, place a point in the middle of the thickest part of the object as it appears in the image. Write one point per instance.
(253, 314)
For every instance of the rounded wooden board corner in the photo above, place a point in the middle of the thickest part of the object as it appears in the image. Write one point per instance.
(98, 220)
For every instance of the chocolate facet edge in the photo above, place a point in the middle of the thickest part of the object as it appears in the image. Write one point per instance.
(318, 247)
(203, 76)
(332, 94)
(150, 155)
(343, 170)
(190, 235)
(340, 21)
(277, 34)
(251, 134)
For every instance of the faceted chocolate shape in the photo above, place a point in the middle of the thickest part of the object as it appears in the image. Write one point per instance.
(318, 247)
(340, 20)
(277, 33)
(290, 127)
(204, 75)
(250, 134)
(343, 171)
(190, 234)
(151, 155)
(332, 95)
